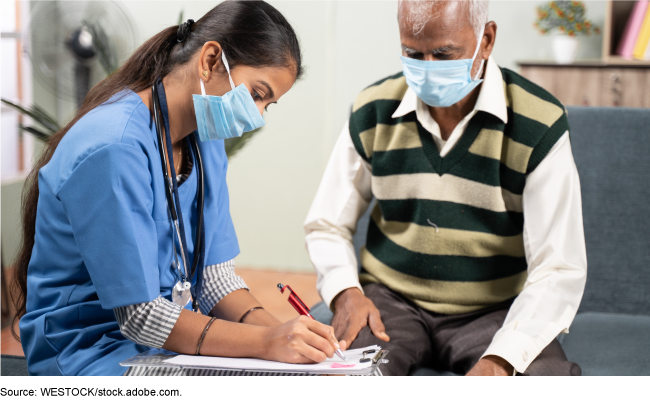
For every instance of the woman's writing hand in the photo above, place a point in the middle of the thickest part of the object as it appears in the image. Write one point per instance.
(301, 340)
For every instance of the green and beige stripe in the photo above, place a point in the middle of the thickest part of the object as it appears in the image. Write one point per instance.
(431, 240)
(448, 297)
(528, 105)
(384, 137)
(446, 188)
(390, 89)
(495, 145)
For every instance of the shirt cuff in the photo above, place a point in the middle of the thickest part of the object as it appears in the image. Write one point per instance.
(218, 281)
(337, 280)
(518, 348)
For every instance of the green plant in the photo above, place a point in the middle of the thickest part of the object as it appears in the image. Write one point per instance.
(564, 17)
(234, 145)
(48, 124)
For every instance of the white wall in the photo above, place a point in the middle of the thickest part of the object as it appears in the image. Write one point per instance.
(347, 45)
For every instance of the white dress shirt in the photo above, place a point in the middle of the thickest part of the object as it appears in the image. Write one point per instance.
(553, 231)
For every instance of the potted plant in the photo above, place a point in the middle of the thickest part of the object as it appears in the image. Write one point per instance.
(565, 19)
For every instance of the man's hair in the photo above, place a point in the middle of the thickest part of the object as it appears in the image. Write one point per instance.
(421, 13)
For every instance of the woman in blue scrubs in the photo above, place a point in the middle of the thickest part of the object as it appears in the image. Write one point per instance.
(97, 267)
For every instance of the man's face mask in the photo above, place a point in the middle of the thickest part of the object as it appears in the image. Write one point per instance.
(442, 83)
(227, 116)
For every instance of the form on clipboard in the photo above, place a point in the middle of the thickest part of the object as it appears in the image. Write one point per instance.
(361, 361)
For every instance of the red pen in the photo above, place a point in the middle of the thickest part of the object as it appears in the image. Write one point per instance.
(303, 310)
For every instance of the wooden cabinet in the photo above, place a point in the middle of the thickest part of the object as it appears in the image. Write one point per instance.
(592, 83)
(609, 81)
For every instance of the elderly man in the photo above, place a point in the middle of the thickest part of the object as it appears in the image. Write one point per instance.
(475, 257)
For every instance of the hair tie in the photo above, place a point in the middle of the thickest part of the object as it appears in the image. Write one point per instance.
(184, 30)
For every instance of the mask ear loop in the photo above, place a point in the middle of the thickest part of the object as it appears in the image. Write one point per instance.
(225, 63)
(478, 46)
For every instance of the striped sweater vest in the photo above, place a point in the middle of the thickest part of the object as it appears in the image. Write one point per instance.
(447, 232)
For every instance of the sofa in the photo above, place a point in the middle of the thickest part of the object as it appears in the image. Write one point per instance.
(611, 333)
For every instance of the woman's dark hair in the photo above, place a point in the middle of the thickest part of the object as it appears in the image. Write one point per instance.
(252, 33)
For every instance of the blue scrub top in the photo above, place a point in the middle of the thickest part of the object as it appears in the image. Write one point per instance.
(104, 240)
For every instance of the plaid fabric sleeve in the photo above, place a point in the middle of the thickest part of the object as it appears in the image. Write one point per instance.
(148, 323)
(218, 281)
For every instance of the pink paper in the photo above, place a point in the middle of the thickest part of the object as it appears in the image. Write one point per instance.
(339, 365)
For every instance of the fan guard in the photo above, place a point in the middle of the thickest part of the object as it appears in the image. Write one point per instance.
(51, 33)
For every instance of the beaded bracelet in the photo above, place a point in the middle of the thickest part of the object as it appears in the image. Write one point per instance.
(246, 314)
(207, 326)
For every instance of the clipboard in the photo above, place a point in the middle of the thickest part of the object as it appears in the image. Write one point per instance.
(361, 362)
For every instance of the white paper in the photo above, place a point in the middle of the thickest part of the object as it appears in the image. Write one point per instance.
(214, 362)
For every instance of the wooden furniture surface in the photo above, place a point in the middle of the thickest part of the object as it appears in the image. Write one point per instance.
(592, 83)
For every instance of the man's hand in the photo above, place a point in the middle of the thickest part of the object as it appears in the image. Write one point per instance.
(353, 312)
(491, 365)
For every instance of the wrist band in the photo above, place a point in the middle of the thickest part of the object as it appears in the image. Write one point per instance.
(246, 314)
(207, 326)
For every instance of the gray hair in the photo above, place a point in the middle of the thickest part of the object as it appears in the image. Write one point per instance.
(421, 14)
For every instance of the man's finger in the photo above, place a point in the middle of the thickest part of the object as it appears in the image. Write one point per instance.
(338, 322)
(351, 333)
(377, 326)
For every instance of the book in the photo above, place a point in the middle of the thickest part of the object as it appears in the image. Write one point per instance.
(646, 56)
(632, 29)
(643, 38)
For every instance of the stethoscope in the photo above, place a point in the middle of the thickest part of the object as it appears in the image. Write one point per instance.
(183, 290)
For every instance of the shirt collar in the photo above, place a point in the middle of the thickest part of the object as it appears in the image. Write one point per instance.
(491, 98)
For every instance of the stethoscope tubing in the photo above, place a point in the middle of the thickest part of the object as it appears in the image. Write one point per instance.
(169, 191)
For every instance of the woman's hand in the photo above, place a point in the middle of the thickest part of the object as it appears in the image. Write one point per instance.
(301, 340)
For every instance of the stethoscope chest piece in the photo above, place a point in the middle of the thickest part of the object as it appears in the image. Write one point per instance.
(181, 293)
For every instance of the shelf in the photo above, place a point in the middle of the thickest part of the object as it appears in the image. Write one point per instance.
(611, 62)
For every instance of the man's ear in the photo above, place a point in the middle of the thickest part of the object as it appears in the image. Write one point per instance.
(210, 60)
(488, 40)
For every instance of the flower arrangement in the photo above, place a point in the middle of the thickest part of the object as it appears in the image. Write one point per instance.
(564, 17)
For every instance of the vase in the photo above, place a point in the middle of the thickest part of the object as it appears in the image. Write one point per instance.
(564, 49)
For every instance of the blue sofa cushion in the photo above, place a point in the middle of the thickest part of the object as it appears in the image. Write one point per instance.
(610, 146)
(12, 365)
(609, 344)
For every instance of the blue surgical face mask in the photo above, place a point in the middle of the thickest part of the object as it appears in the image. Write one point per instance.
(227, 116)
(442, 83)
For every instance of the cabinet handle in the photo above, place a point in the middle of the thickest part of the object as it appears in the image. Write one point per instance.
(616, 89)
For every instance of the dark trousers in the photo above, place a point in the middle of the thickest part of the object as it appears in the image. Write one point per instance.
(419, 338)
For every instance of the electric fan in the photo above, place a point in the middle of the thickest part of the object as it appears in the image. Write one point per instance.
(75, 44)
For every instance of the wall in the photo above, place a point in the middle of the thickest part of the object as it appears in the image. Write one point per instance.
(347, 45)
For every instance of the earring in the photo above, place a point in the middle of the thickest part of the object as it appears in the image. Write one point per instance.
(205, 74)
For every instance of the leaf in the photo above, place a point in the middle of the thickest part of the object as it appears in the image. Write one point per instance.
(180, 17)
(38, 134)
(37, 114)
(234, 145)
